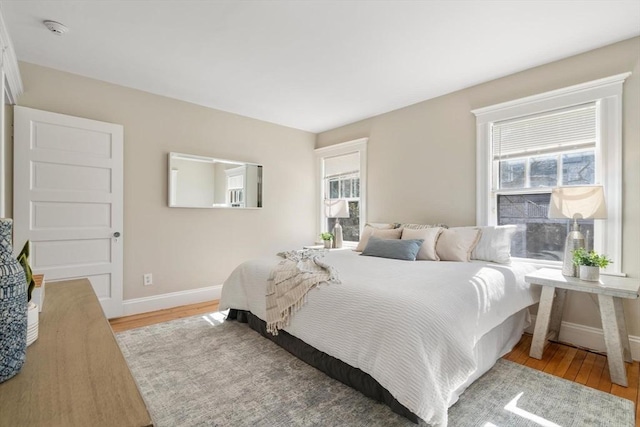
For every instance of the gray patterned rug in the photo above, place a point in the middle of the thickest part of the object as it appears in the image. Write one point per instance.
(202, 371)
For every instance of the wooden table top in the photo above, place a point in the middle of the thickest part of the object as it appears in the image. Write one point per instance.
(75, 374)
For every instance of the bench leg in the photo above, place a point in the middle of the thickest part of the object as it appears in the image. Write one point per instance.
(556, 315)
(542, 322)
(622, 327)
(613, 328)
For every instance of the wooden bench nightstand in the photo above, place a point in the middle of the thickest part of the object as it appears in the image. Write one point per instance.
(610, 290)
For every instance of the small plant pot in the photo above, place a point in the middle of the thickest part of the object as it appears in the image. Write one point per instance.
(327, 244)
(589, 273)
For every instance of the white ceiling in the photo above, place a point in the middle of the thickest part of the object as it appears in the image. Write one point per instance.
(311, 65)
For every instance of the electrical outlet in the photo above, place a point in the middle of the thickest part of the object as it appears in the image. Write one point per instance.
(148, 279)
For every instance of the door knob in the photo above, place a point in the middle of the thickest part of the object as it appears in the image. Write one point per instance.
(116, 234)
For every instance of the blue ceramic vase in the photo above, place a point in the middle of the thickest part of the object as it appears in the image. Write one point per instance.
(13, 307)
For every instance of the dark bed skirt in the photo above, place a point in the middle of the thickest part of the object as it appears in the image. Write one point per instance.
(335, 368)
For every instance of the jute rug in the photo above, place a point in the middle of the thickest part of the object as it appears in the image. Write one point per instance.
(203, 371)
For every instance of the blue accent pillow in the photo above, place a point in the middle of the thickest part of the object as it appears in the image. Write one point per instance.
(393, 248)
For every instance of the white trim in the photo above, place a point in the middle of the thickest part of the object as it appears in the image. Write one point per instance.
(10, 88)
(170, 300)
(607, 93)
(357, 145)
(342, 148)
(587, 337)
(10, 65)
(609, 237)
(3, 153)
(550, 100)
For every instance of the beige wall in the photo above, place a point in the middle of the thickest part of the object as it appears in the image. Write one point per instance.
(421, 159)
(188, 248)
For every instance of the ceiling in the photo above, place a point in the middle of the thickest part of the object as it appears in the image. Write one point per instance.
(310, 65)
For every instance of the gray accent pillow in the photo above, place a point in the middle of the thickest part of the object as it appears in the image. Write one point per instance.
(393, 248)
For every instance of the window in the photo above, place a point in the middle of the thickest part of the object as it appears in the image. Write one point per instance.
(531, 155)
(235, 186)
(526, 147)
(342, 176)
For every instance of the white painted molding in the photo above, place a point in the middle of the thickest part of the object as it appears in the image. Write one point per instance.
(170, 300)
(509, 109)
(10, 65)
(587, 337)
(341, 148)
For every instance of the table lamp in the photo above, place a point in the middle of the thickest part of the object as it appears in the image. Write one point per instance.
(336, 208)
(584, 202)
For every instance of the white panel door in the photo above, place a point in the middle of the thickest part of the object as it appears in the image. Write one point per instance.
(68, 197)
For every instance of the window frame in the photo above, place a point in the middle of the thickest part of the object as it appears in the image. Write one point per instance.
(356, 146)
(607, 94)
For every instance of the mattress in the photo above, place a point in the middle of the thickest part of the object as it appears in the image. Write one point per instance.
(416, 327)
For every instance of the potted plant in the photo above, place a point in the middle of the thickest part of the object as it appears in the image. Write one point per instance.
(327, 238)
(590, 263)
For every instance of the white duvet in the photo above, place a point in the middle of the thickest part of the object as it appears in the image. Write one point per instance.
(412, 326)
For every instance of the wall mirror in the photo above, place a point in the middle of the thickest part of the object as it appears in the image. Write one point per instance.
(207, 182)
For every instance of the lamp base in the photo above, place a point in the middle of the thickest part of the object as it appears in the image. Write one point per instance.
(337, 235)
(575, 240)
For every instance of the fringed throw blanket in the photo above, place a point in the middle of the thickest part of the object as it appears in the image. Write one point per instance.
(289, 283)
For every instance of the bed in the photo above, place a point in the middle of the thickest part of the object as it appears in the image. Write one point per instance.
(423, 331)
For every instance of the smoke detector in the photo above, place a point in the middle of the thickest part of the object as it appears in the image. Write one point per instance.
(55, 27)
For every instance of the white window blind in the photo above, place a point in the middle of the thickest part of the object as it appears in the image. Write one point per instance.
(561, 130)
(340, 165)
(236, 181)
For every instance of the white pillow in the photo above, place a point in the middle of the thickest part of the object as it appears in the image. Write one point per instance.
(382, 233)
(495, 244)
(456, 244)
(430, 236)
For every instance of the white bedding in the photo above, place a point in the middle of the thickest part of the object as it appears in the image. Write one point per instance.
(412, 326)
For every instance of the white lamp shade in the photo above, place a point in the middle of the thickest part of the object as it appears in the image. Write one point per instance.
(336, 208)
(586, 202)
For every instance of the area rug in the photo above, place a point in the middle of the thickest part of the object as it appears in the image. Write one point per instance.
(204, 371)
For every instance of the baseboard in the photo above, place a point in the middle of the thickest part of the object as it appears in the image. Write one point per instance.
(170, 300)
(588, 337)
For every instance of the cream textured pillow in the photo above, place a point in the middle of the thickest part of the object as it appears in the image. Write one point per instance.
(495, 244)
(430, 236)
(422, 226)
(381, 225)
(369, 231)
(456, 244)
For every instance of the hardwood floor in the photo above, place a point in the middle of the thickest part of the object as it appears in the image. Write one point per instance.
(145, 319)
(563, 361)
(579, 366)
